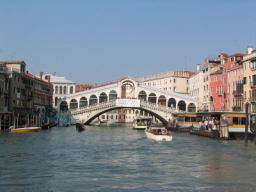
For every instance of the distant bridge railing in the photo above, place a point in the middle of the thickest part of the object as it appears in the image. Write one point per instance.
(133, 103)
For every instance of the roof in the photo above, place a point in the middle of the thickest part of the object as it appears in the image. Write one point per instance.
(28, 74)
(218, 72)
(59, 79)
(13, 62)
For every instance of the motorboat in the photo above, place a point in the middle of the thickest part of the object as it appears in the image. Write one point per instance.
(141, 123)
(158, 134)
(25, 129)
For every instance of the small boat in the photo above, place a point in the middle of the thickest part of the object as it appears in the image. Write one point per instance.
(25, 129)
(141, 123)
(49, 125)
(80, 127)
(158, 134)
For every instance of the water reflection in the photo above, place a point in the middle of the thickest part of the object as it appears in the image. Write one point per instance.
(122, 159)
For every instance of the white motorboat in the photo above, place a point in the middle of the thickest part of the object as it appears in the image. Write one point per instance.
(158, 134)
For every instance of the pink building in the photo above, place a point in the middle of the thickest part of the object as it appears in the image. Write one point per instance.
(233, 84)
(216, 90)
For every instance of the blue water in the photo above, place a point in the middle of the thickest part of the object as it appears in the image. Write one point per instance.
(122, 159)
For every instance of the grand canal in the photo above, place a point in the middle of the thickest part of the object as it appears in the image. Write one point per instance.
(122, 159)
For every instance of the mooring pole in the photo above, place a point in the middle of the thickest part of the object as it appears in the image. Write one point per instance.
(246, 122)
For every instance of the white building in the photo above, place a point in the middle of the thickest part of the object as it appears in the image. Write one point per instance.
(196, 87)
(172, 81)
(61, 86)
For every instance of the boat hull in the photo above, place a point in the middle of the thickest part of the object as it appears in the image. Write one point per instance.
(25, 130)
(137, 127)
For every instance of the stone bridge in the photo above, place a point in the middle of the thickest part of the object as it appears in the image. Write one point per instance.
(127, 93)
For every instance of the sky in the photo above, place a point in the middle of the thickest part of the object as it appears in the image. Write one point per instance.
(98, 41)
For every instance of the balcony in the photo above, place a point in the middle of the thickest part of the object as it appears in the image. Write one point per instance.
(253, 99)
(253, 84)
(236, 108)
(220, 93)
(237, 93)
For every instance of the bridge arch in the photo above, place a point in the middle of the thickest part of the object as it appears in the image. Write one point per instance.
(142, 96)
(152, 98)
(164, 121)
(73, 104)
(162, 100)
(103, 97)
(83, 102)
(182, 105)
(172, 103)
(93, 100)
(112, 95)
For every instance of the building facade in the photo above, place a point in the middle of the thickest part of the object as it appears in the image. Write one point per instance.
(196, 86)
(26, 98)
(233, 83)
(61, 86)
(172, 81)
(249, 67)
(216, 90)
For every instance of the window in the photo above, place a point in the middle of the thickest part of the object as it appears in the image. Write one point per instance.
(244, 80)
(71, 90)
(174, 80)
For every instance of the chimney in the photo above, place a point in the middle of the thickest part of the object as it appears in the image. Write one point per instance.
(250, 50)
(41, 75)
(198, 67)
(49, 78)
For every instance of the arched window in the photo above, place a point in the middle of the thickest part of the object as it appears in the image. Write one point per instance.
(93, 100)
(142, 96)
(73, 104)
(56, 90)
(60, 89)
(65, 90)
(112, 95)
(191, 107)
(162, 100)
(103, 97)
(63, 106)
(83, 102)
(182, 105)
(172, 103)
(152, 98)
(71, 90)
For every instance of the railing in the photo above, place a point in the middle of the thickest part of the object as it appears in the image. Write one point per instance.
(93, 107)
(220, 93)
(253, 84)
(157, 107)
(104, 105)
(8, 69)
(237, 93)
(252, 99)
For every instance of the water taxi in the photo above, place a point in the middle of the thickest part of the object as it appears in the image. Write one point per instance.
(158, 134)
(141, 123)
(25, 129)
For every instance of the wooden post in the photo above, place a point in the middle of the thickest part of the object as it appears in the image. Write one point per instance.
(246, 122)
(0, 122)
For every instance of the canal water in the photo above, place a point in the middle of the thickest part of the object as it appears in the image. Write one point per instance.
(121, 159)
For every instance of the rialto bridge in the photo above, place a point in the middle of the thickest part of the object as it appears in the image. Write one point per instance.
(127, 93)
